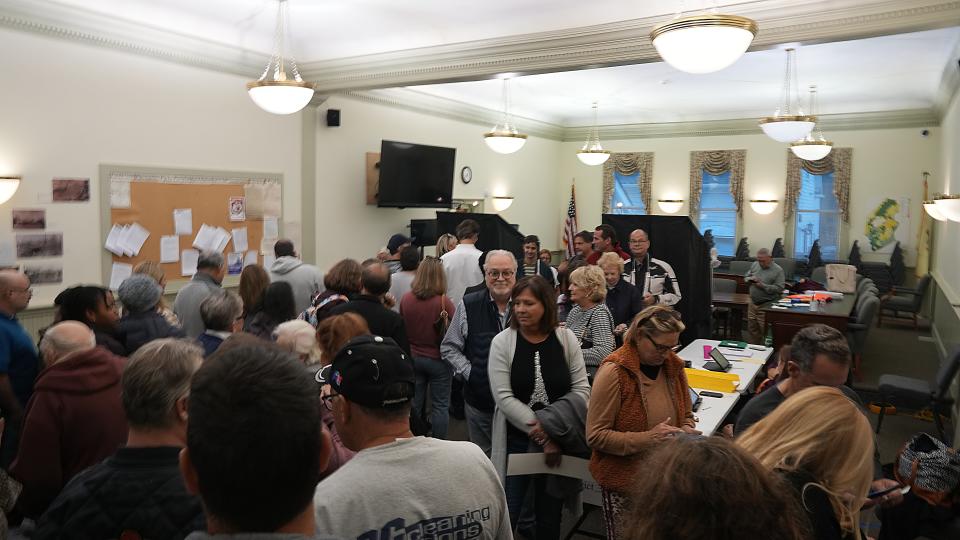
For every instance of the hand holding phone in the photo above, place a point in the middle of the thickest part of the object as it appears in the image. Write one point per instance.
(877, 494)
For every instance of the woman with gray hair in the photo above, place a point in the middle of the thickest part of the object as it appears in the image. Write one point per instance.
(589, 318)
(141, 322)
(141, 482)
(222, 314)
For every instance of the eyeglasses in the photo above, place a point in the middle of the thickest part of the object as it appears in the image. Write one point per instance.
(500, 274)
(26, 290)
(662, 349)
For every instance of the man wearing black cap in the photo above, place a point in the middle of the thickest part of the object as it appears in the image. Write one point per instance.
(398, 485)
(396, 244)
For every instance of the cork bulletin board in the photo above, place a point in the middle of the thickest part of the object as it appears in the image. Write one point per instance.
(150, 196)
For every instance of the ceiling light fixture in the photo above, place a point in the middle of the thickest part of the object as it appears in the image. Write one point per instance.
(277, 93)
(933, 211)
(703, 43)
(812, 148)
(788, 123)
(502, 203)
(949, 206)
(670, 206)
(8, 186)
(764, 206)
(505, 138)
(592, 153)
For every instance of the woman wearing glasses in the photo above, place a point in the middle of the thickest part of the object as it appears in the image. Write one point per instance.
(639, 398)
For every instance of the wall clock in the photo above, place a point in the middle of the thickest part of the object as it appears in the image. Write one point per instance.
(466, 175)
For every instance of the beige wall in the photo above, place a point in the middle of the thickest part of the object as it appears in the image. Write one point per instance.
(67, 108)
(946, 253)
(885, 162)
(348, 227)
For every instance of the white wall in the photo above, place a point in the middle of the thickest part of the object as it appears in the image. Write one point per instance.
(946, 252)
(67, 108)
(885, 162)
(348, 227)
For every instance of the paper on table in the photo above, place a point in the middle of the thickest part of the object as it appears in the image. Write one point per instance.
(119, 194)
(268, 261)
(112, 243)
(183, 221)
(272, 202)
(118, 273)
(188, 262)
(249, 258)
(222, 239)
(206, 238)
(254, 195)
(239, 240)
(169, 249)
(270, 229)
(135, 238)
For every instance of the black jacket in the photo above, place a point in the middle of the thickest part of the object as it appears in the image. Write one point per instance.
(483, 323)
(624, 301)
(543, 270)
(138, 329)
(381, 320)
(137, 489)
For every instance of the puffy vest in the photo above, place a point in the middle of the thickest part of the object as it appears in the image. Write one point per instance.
(483, 322)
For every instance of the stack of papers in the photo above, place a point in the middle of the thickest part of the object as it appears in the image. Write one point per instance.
(211, 238)
(126, 240)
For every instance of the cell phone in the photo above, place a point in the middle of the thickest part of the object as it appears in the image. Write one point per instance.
(876, 494)
(708, 393)
(758, 347)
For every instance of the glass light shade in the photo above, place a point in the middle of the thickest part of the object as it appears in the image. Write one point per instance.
(932, 211)
(949, 207)
(763, 206)
(811, 150)
(670, 206)
(787, 128)
(504, 142)
(502, 203)
(280, 97)
(593, 157)
(8, 186)
(703, 43)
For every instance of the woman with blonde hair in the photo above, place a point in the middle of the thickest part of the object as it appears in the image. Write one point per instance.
(426, 313)
(623, 299)
(152, 269)
(821, 442)
(446, 243)
(589, 319)
(639, 399)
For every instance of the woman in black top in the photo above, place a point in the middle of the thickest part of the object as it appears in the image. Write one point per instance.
(278, 306)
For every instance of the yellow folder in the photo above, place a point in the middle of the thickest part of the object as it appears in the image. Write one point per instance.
(712, 380)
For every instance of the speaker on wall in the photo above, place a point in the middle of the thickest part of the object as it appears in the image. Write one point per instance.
(333, 117)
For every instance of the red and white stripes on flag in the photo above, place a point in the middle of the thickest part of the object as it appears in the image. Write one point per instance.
(570, 228)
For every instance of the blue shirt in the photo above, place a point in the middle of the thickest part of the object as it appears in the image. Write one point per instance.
(18, 358)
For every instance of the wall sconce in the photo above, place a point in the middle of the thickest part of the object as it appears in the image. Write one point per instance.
(670, 206)
(502, 203)
(949, 206)
(933, 211)
(8, 186)
(764, 206)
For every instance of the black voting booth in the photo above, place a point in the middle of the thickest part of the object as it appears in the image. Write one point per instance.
(495, 232)
(676, 240)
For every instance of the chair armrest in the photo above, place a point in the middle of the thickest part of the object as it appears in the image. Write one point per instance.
(901, 290)
(857, 327)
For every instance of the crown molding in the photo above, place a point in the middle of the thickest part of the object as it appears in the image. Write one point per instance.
(623, 42)
(412, 100)
(617, 43)
(81, 25)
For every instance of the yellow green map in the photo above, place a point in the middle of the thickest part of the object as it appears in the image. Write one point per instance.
(882, 224)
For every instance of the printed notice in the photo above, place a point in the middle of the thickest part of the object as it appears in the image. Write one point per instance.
(169, 249)
(188, 262)
(118, 273)
(183, 221)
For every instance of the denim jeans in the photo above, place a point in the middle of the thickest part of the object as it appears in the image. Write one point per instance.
(437, 374)
(479, 427)
(547, 510)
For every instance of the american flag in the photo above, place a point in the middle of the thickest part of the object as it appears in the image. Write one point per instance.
(570, 228)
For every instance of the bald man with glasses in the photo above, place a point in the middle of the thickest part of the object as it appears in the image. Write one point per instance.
(19, 362)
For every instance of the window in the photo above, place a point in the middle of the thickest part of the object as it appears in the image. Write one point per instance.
(626, 194)
(718, 212)
(817, 216)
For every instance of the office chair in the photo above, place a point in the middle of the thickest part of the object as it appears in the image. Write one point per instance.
(917, 394)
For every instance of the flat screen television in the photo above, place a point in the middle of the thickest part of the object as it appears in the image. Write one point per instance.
(415, 175)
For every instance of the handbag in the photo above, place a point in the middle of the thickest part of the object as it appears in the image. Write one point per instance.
(930, 468)
(443, 320)
(841, 278)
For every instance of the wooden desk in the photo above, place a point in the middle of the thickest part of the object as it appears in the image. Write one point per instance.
(787, 322)
(742, 286)
(737, 304)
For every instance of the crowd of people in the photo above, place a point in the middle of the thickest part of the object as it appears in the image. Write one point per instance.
(318, 404)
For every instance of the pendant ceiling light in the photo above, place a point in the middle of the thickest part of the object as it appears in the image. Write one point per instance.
(949, 206)
(812, 148)
(703, 43)
(505, 138)
(789, 123)
(933, 211)
(275, 91)
(592, 153)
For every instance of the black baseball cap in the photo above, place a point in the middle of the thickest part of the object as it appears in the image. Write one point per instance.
(397, 240)
(373, 371)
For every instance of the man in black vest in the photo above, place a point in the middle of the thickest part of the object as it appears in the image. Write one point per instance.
(532, 265)
(480, 316)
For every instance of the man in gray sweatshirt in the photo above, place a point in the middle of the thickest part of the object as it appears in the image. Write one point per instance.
(766, 281)
(306, 280)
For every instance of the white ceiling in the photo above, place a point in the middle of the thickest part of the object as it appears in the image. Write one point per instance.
(325, 29)
(878, 74)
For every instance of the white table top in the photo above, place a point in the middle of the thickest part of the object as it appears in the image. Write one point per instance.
(746, 367)
(713, 410)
